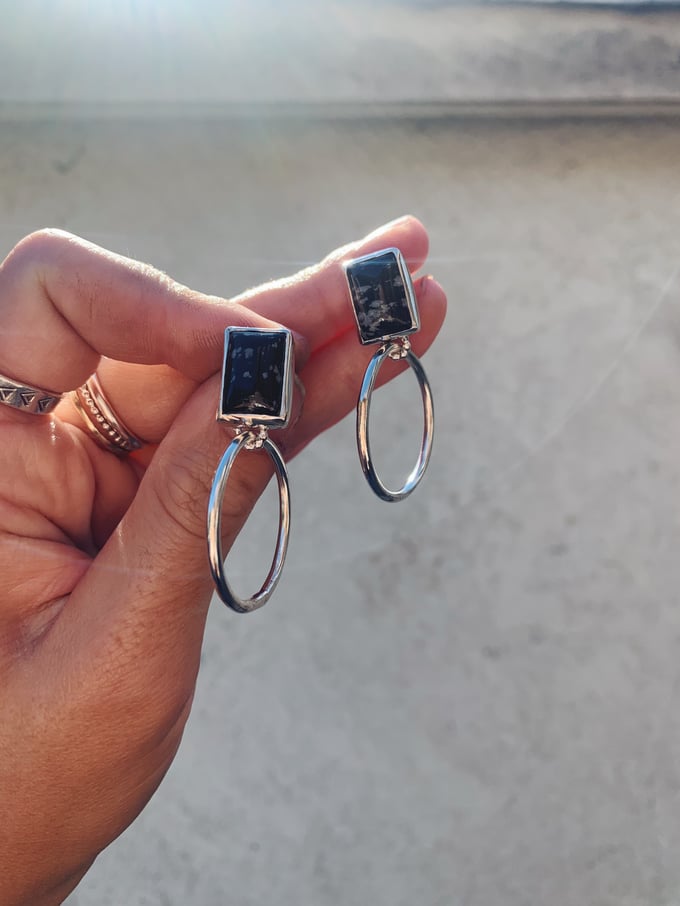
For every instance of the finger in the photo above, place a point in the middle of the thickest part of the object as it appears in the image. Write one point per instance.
(65, 302)
(146, 398)
(316, 300)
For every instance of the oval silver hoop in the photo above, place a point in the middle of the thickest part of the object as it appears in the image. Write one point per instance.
(363, 410)
(215, 516)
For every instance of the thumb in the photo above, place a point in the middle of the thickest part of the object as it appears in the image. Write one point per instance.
(143, 602)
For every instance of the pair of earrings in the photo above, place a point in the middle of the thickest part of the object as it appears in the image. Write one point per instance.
(257, 389)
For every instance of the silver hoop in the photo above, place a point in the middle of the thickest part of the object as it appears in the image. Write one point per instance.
(215, 516)
(394, 350)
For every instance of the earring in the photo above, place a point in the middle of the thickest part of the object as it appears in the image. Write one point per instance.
(257, 389)
(386, 312)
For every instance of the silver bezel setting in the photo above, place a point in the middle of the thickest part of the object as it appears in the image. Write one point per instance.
(408, 288)
(260, 419)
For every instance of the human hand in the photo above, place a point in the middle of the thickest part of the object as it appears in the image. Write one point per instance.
(105, 580)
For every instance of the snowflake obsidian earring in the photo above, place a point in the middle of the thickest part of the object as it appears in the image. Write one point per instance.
(257, 390)
(386, 312)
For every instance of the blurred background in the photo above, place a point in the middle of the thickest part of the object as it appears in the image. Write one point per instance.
(470, 697)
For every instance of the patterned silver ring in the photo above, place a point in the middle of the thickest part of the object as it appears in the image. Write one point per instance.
(101, 420)
(26, 398)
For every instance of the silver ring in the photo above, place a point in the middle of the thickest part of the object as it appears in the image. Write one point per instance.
(101, 421)
(27, 398)
(214, 519)
(394, 350)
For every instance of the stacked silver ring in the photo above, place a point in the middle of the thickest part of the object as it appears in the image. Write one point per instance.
(101, 421)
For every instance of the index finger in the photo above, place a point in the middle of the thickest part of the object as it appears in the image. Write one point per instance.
(66, 302)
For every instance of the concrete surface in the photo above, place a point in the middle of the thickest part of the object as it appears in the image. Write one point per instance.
(332, 54)
(472, 697)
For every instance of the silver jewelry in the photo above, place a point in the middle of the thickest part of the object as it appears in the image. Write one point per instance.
(386, 312)
(27, 398)
(101, 420)
(257, 389)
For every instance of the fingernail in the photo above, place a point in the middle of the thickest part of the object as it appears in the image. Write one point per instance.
(422, 284)
(427, 285)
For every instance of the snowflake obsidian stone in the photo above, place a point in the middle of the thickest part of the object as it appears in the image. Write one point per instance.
(257, 376)
(382, 296)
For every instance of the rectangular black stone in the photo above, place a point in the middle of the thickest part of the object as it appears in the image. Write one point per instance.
(257, 376)
(382, 296)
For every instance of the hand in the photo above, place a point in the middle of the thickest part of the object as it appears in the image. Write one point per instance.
(103, 559)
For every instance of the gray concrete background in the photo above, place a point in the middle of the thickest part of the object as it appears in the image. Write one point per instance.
(96, 58)
(470, 698)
